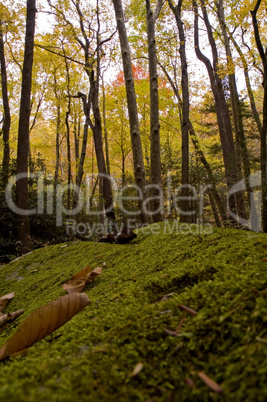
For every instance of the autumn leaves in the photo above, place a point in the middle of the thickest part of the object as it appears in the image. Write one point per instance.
(49, 317)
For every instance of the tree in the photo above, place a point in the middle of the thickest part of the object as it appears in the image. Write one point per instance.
(6, 116)
(177, 10)
(223, 117)
(155, 162)
(88, 38)
(139, 169)
(23, 224)
(263, 55)
(240, 140)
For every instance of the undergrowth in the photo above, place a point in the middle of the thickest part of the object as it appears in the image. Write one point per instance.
(222, 276)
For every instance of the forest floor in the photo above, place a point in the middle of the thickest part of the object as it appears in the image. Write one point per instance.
(121, 347)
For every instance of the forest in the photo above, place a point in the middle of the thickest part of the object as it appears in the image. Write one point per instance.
(122, 114)
(133, 200)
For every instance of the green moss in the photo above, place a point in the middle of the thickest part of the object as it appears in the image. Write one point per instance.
(221, 275)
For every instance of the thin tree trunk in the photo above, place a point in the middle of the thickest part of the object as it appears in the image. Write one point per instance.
(23, 223)
(240, 140)
(248, 85)
(222, 112)
(57, 146)
(105, 184)
(68, 136)
(214, 209)
(6, 118)
(186, 216)
(105, 127)
(138, 161)
(200, 153)
(155, 160)
(263, 55)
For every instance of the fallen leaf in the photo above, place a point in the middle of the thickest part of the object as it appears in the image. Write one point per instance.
(5, 299)
(210, 383)
(79, 280)
(137, 369)
(97, 271)
(9, 317)
(74, 286)
(43, 321)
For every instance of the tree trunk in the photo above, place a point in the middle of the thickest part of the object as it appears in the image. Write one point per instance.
(105, 128)
(155, 160)
(104, 180)
(263, 55)
(57, 147)
(186, 216)
(240, 140)
(138, 161)
(248, 85)
(23, 223)
(222, 112)
(6, 118)
(199, 151)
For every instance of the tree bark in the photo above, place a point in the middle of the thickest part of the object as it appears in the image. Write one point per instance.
(200, 153)
(139, 169)
(186, 216)
(222, 112)
(105, 127)
(240, 140)
(263, 55)
(6, 118)
(68, 112)
(155, 159)
(23, 223)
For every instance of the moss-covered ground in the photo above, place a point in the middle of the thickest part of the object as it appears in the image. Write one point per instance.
(222, 275)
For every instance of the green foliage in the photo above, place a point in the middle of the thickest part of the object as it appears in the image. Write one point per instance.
(221, 275)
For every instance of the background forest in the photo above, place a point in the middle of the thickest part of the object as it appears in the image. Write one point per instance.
(163, 102)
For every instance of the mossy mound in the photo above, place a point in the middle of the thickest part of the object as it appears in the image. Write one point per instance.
(222, 275)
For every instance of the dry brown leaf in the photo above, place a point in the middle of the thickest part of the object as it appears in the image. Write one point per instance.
(79, 280)
(210, 383)
(5, 299)
(9, 317)
(139, 366)
(43, 321)
(75, 286)
(97, 271)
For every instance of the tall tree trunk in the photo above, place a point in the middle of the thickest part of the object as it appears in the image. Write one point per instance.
(23, 223)
(222, 112)
(6, 118)
(104, 181)
(155, 160)
(68, 112)
(263, 55)
(200, 153)
(240, 140)
(105, 127)
(81, 157)
(57, 146)
(139, 169)
(186, 216)
(248, 85)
